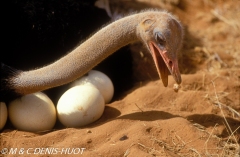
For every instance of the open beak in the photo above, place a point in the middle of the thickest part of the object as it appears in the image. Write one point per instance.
(164, 64)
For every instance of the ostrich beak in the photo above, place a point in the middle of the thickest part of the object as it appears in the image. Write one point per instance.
(164, 64)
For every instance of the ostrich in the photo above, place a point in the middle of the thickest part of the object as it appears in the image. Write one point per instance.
(160, 31)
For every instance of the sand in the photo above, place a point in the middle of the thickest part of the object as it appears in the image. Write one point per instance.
(201, 119)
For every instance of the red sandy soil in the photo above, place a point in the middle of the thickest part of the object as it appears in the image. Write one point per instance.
(151, 120)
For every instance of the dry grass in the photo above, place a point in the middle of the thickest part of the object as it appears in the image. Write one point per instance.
(230, 148)
(181, 146)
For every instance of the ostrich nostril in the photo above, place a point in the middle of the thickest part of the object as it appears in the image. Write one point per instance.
(170, 64)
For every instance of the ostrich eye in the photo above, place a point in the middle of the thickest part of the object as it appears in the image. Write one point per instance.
(160, 39)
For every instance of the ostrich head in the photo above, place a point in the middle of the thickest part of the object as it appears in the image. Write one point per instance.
(163, 36)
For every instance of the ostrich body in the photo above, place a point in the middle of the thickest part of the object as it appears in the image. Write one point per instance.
(158, 30)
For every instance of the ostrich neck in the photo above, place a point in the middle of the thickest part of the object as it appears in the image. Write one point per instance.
(82, 59)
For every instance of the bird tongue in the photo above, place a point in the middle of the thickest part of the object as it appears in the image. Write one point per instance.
(160, 64)
(163, 70)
